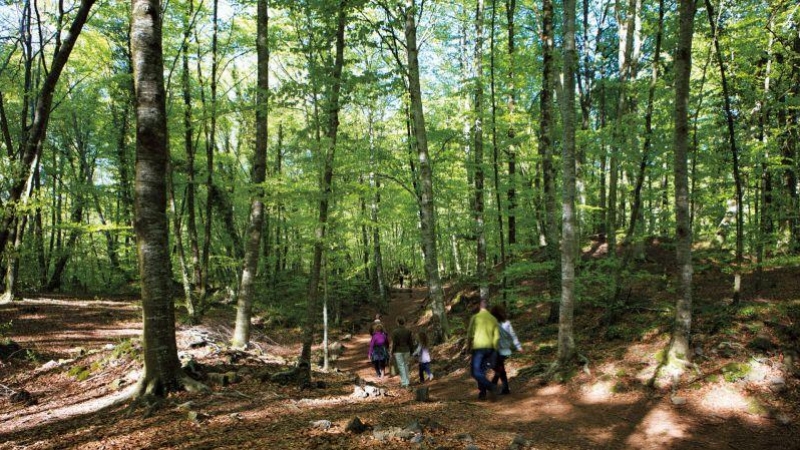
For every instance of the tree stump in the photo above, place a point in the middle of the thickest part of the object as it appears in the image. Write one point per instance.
(423, 394)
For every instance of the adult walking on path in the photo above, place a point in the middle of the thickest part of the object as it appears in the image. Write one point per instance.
(508, 340)
(402, 343)
(378, 350)
(483, 336)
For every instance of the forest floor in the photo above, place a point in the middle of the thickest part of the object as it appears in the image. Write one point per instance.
(76, 360)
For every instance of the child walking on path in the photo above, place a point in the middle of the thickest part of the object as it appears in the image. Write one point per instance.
(379, 350)
(508, 339)
(423, 354)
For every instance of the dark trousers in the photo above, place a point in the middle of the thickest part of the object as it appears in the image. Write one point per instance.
(380, 366)
(480, 357)
(423, 369)
(500, 372)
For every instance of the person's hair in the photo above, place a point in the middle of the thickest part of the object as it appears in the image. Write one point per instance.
(401, 320)
(423, 338)
(499, 312)
(378, 327)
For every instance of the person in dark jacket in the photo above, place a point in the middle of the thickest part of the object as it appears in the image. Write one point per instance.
(402, 344)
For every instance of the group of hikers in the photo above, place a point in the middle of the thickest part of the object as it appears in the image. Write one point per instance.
(400, 345)
(490, 340)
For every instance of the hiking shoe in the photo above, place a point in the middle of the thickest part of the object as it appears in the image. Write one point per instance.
(430, 377)
(482, 396)
(505, 391)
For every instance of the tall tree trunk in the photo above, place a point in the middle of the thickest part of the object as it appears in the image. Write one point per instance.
(737, 178)
(211, 144)
(679, 344)
(162, 369)
(512, 134)
(477, 139)
(548, 173)
(377, 254)
(495, 149)
(241, 334)
(765, 212)
(427, 210)
(569, 238)
(332, 127)
(189, 147)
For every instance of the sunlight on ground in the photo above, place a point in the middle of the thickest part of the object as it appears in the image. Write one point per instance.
(660, 427)
(599, 392)
(52, 415)
(724, 400)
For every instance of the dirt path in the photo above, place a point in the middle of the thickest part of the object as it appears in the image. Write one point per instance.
(589, 412)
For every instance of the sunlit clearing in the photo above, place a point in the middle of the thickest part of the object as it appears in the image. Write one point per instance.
(659, 429)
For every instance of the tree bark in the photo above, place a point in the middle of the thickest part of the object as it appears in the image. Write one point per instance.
(548, 172)
(737, 178)
(427, 210)
(569, 239)
(679, 344)
(512, 133)
(162, 369)
(479, 204)
(241, 334)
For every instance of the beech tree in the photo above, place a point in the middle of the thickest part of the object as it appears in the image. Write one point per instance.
(679, 344)
(162, 369)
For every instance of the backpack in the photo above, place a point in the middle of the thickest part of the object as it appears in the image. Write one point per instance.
(506, 340)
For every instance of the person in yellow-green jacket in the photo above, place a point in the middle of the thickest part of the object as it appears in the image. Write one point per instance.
(483, 336)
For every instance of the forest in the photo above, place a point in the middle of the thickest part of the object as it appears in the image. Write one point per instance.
(203, 204)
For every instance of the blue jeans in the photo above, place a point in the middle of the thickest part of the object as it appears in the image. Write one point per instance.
(479, 361)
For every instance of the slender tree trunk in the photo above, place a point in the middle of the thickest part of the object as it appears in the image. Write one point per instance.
(679, 344)
(569, 238)
(377, 255)
(512, 153)
(477, 139)
(427, 210)
(162, 369)
(548, 174)
(495, 149)
(211, 190)
(189, 147)
(737, 178)
(241, 334)
(765, 198)
(326, 182)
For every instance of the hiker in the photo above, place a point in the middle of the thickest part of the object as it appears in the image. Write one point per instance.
(375, 323)
(483, 335)
(423, 355)
(402, 343)
(379, 350)
(508, 339)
